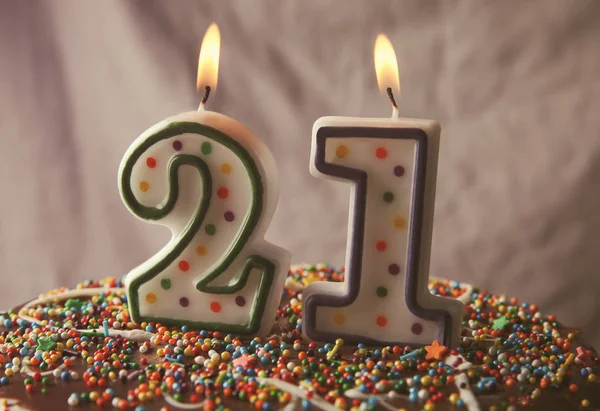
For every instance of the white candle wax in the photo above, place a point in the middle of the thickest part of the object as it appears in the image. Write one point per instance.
(213, 183)
(392, 166)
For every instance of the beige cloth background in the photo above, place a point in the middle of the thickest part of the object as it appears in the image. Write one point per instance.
(516, 86)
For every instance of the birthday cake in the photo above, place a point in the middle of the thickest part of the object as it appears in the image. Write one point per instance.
(79, 348)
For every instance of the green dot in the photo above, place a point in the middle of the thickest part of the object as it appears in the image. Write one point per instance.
(206, 148)
(388, 196)
(165, 283)
(381, 292)
(210, 229)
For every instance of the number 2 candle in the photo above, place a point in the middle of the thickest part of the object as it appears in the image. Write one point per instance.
(214, 184)
(392, 166)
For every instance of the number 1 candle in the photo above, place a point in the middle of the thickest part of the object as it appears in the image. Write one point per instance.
(392, 166)
(214, 184)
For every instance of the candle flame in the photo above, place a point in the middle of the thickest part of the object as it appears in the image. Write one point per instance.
(386, 65)
(208, 61)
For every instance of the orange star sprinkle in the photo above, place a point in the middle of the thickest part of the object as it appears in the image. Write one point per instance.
(435, 351)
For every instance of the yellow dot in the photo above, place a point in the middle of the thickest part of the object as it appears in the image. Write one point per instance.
(225, 168)
(399, 222)
(341, 151)
(339, 319)
(201, 250)
(151, 298)
(144, 186)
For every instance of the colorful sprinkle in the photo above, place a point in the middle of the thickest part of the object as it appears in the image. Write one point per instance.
(229, 217)
(226, 168)
(215, 307)
(177, 145)
(240, 301)
(381, 246)
(381, 321)
(151, 298)
(341, 151)
(388, 197)
(399, 222)
(184, 302)
(382, 292)
(206, 148)
(184, 265)
(201, 250)
(165, 283)
(381, 153)
(210, 229)
(394, 269)
(144, 186)
(151, 162)
(416, 329)
(339, 319)
(398, 171)
(223, 192)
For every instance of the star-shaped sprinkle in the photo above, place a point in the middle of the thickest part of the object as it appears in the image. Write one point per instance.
(584, 356)
(435, 351)
(45, 344)
(500, 323)
(242, 361)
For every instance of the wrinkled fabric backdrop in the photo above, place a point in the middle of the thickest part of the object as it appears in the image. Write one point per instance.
(515, 85)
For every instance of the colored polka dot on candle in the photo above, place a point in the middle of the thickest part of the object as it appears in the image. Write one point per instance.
(229, 217)
(165, 283)
(381, 292)
(240, 301)
(381, 153)
(210, 229)
(184, 302)
(339, 319)
(341, 151)
(222, 192)
(184, 265)
(177, 145)
(144, 186)
(226, 168)
(381, 321)
(388, 197)
(206, 148)
(151, 298)
(201, 250)
(215, 307)
(399, 222)
(398, 171)
(151, 162)
(394, 269)
(381, 245)
(416, 328)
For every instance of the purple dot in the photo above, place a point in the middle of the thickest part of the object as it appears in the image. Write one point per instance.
(177, 146)
(241, 301)
(398, 171)
(394, 269)
(184, 302)
(416, 328)
(229, 217)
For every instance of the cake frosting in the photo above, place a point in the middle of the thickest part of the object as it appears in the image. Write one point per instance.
(73, 347)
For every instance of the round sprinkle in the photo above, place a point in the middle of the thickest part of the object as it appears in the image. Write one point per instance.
(388, 197)
(339, 318)
(341, 151)
(222, 192)
(210, 229)
(382, 292)
(381, 153)
(226, 168)
(206, 148)
(201, 250)
(381, 246)
(229, 217)
(165, 283)
(416, 328)
(184, 302)
(381, 321)
(399, 222)
(151, 162)
(240, 301)
(177, 146)
(144, 186)
(398, 171)
(394, 269)
(215, 307)
(184, 265)
(151, 298)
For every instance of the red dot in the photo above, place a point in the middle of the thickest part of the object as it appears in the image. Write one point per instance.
(184, 265)
(151, 162)
(381, 153)
(215, 307)
(381, 245)
(381, 321)
(222, 192)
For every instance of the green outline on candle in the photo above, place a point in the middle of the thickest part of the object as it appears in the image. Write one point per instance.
(187, 235)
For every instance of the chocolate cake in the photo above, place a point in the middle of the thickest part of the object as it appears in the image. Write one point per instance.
(78, 348)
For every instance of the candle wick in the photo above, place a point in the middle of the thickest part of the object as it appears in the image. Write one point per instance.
(205, 98)
(390, 94)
